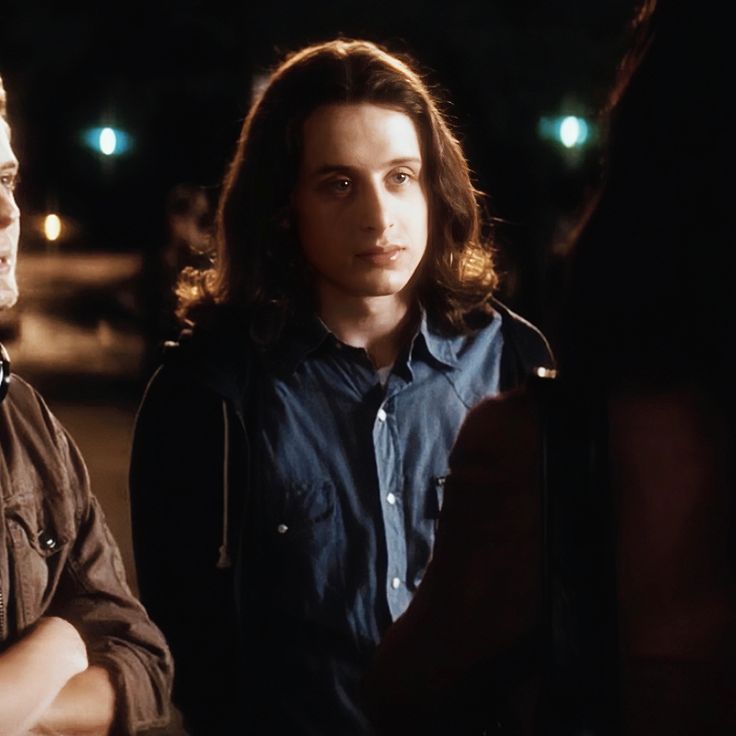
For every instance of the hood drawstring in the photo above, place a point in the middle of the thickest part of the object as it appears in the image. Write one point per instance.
(223, 560)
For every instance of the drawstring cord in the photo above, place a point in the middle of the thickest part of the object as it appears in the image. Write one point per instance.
(223, 560)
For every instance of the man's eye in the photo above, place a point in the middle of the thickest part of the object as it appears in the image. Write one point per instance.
(401, 177)
(9, 181)
(340, 185)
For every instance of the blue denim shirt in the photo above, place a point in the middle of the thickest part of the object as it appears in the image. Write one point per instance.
(350, 475)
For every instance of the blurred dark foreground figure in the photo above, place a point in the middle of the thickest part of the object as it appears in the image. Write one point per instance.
(78, 654)
(583, 579)
(289, 455)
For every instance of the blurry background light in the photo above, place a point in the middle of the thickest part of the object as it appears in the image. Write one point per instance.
(52, 227)
(571, 131)
(108, 141)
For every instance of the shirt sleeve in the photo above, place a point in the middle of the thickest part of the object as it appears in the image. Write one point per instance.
(94, 596)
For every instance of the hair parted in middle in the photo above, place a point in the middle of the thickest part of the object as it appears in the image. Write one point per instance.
(258, 263)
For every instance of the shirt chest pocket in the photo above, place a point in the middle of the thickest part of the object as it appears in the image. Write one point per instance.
(303, 540)
(302, 511)
(38, 543)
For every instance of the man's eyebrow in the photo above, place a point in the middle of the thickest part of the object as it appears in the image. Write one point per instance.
(405, 160)
(10, 166)
(331, 168)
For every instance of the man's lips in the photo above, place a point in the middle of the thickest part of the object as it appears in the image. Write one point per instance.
(381, 255)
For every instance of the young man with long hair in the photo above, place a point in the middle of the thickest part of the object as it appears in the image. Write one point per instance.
(290, 454)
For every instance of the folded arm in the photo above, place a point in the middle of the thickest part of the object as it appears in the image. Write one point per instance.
(126, 689)
(35, 670)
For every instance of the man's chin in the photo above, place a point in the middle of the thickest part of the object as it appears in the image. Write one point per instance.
(8, 297)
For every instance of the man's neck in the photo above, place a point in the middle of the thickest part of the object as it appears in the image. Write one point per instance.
(380, 325)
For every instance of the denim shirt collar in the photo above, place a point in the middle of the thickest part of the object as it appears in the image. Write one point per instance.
(441, 348)
(307, 335)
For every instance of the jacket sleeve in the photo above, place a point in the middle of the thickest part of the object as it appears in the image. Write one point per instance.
(94, 596)
(176, 482)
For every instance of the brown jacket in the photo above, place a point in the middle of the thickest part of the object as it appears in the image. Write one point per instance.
(57, 557)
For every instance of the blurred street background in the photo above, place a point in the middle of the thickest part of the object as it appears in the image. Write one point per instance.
(124, 120)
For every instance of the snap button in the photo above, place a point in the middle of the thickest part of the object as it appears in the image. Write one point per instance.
(282, 528)
(46, 540)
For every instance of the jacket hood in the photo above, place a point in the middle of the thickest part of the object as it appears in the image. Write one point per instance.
(217, 356)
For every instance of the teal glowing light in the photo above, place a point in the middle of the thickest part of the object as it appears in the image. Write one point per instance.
(569, 130)
(108, 141)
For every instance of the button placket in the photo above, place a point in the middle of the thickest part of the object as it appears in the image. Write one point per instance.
(390, 479)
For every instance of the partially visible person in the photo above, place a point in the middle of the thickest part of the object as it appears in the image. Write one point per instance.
(296, 440)
(189, 221)
(652, 349)
(78, 654)
(589, 526)
(185, 243)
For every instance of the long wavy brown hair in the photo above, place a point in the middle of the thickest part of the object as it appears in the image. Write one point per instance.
(258, 266)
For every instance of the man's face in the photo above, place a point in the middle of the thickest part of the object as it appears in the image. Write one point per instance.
(9, 220)
(360, 201)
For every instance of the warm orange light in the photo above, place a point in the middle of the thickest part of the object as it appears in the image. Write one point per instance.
(52, 227)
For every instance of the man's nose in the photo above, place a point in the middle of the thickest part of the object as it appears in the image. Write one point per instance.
(376, 211)
(9, 211)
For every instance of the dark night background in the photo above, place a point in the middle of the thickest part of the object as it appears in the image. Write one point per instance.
(177, 77)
